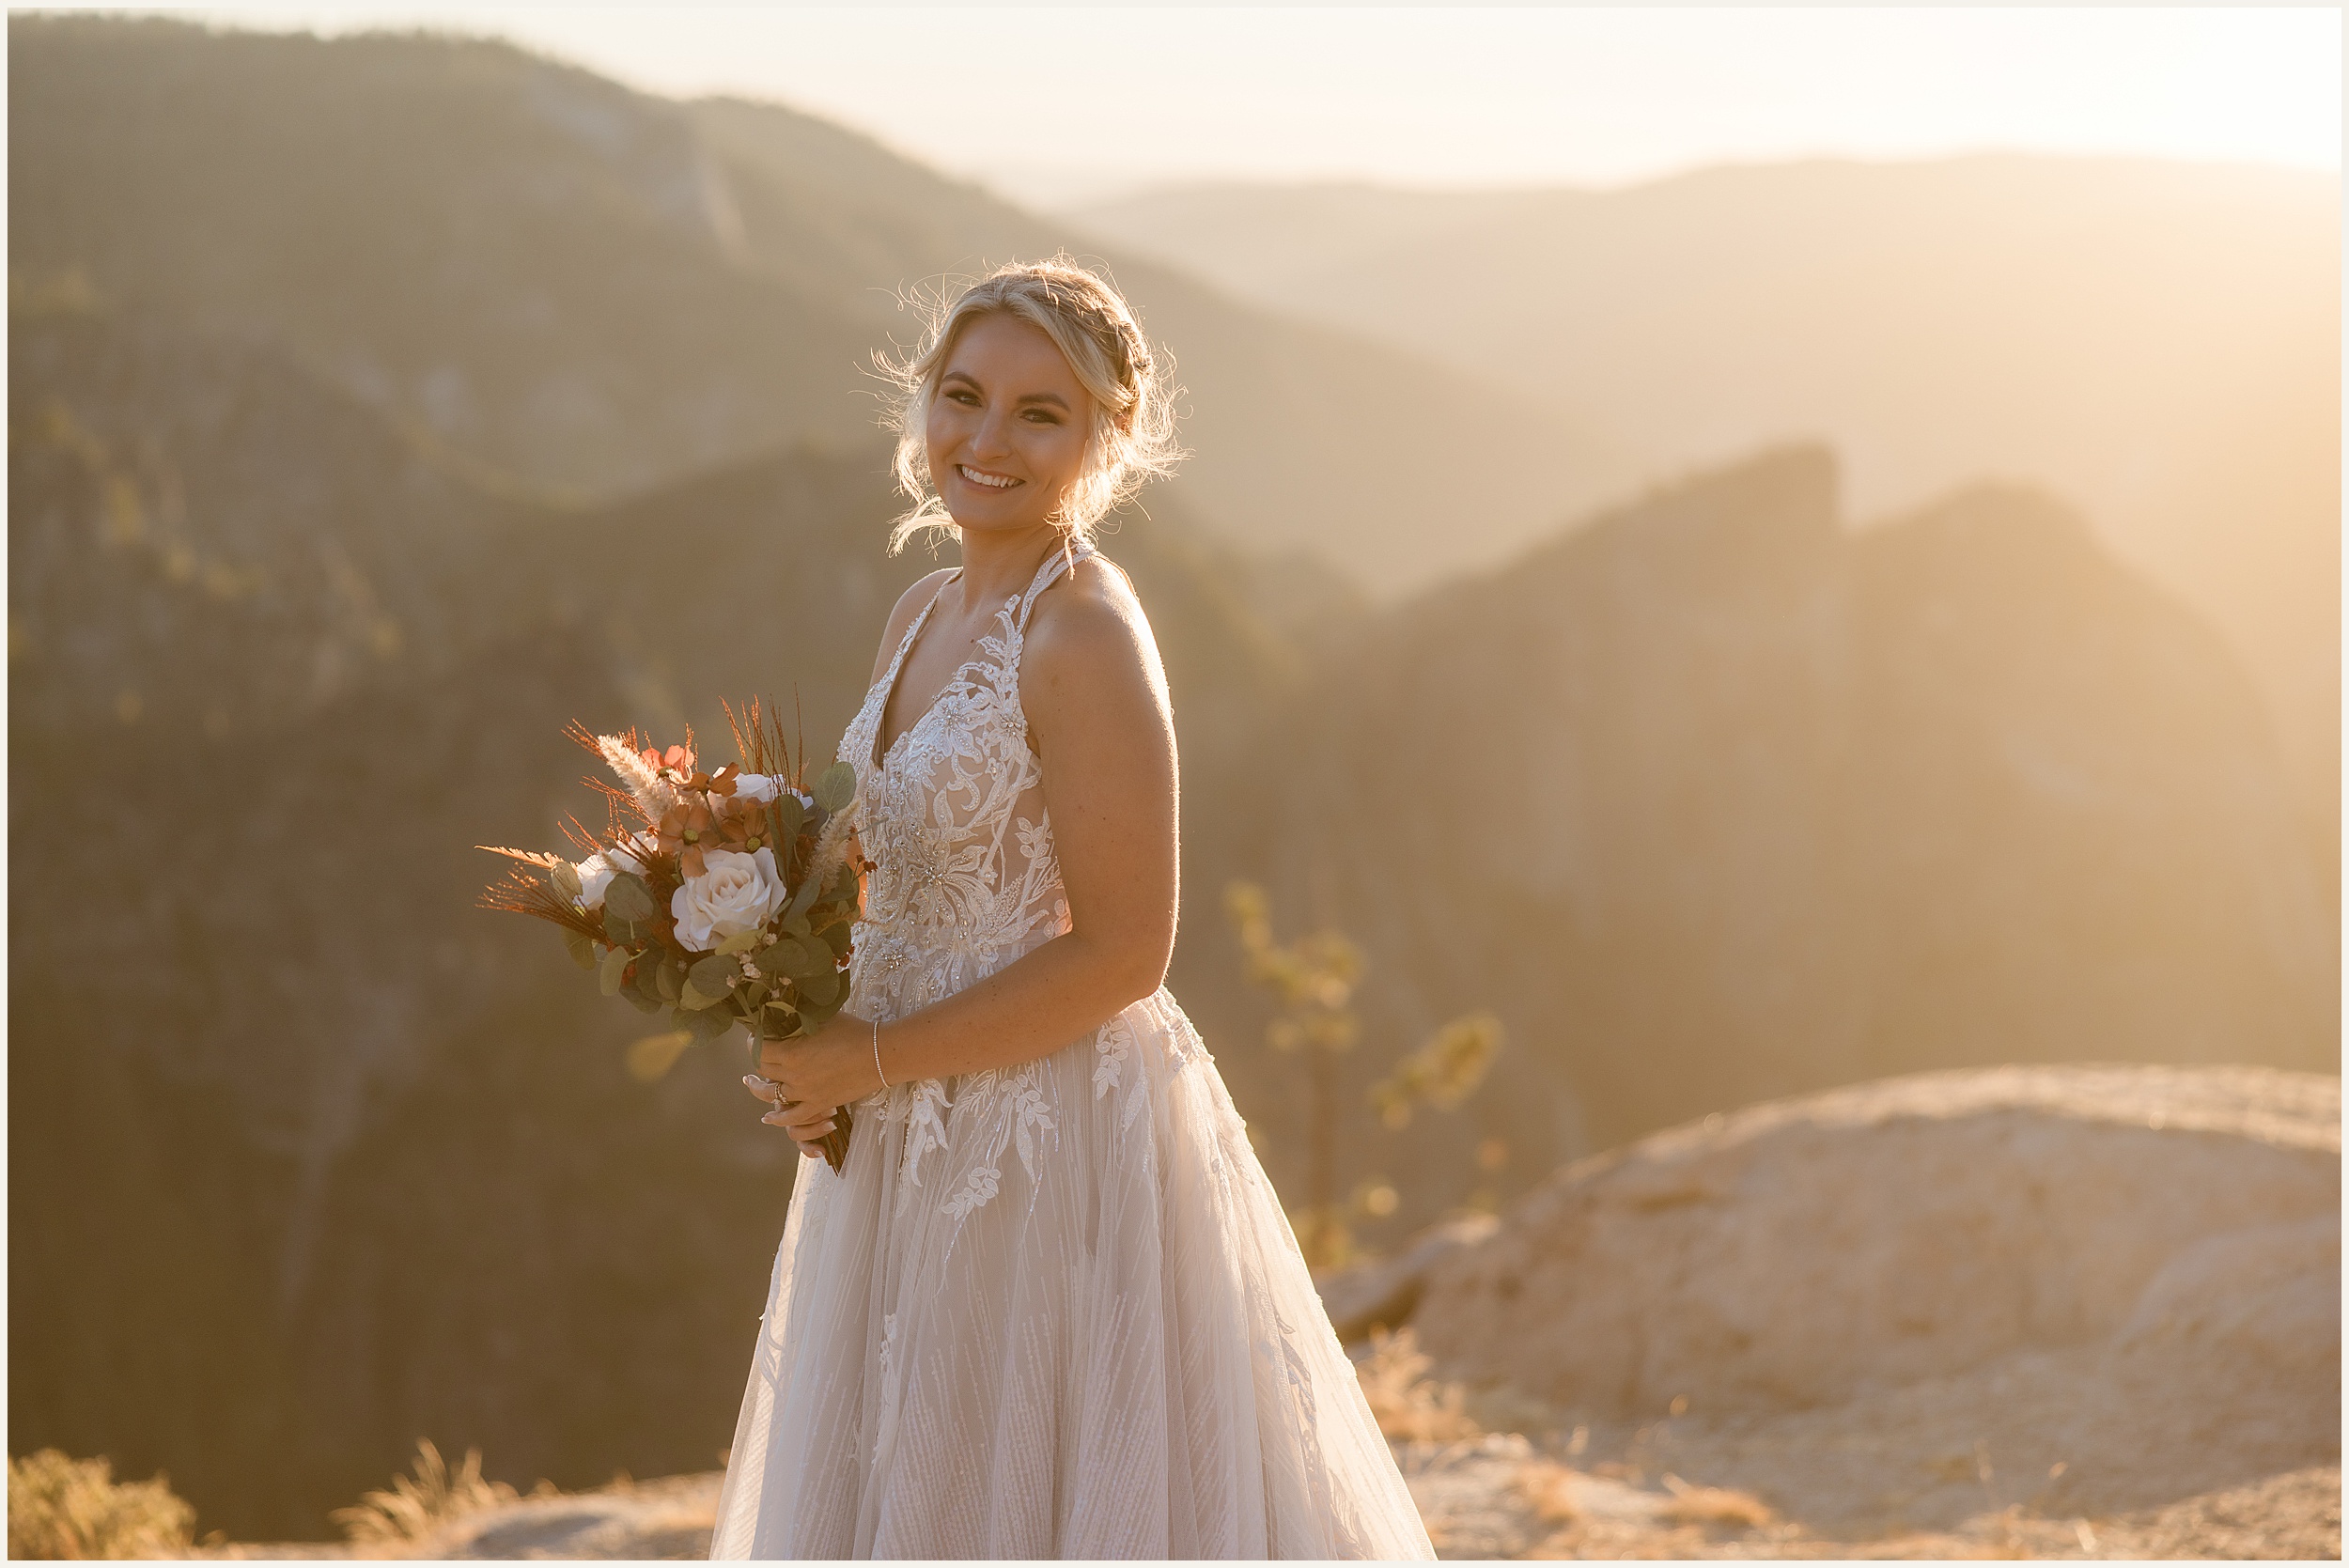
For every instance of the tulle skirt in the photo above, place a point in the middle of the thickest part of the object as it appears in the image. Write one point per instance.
(1055, 1310)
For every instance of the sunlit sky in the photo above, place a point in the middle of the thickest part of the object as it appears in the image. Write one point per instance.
(1055, 104)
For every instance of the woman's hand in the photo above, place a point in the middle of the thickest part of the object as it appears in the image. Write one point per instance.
(806, 1124)
(820, 1072)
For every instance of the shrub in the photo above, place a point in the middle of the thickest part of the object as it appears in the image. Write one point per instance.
(64, 1508)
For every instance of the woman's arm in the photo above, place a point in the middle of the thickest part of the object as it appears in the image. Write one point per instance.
(1095, 700)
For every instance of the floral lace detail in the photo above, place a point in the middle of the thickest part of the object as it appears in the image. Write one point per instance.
(966, 880)
(926, 1130)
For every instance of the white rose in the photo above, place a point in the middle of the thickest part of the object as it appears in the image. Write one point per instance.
(736, 892)
(763, 787)
(595, 873)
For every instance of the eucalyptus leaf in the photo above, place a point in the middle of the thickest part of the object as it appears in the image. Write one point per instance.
(626, 933)
(669, 980)
(742, 941)
(822, 988)
(564, 877)
(714, 975)
(837, 788)
(581, 946)
(792, 815)
(795, 956)
(608, 976)
(635, 997)
(836, 938)
(628, 898)
(706, 1023)
(695, 1002)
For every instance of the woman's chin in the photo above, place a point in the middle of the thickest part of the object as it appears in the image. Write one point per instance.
(992, 516)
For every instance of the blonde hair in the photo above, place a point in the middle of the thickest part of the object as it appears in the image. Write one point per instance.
(1132, 438)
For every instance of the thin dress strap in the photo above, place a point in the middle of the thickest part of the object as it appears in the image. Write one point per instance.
(904, 644)
(1046, 575)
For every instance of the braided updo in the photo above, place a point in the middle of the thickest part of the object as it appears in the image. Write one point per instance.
(1132, 438)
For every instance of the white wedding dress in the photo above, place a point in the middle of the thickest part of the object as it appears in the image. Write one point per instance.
(1045, 1311)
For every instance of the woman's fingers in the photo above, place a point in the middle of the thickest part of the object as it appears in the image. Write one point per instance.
(806, 1124)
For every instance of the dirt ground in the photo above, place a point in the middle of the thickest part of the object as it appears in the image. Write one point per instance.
(1503, 1496)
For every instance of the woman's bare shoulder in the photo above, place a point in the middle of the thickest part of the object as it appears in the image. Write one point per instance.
(1089, 629)
(909, 605)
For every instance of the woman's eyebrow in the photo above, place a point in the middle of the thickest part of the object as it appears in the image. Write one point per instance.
(1052, 398)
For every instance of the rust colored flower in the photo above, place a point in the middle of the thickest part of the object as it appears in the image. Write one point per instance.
(685, 829)
(677, 758)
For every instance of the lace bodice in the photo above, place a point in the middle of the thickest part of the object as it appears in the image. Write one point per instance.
(953, 816)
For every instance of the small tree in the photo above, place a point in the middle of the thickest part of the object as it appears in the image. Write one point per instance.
(1314, 979)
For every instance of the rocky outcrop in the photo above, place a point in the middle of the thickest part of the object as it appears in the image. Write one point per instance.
(2088, 1287)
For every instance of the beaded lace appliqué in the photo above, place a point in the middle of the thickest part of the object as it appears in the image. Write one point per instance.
(966, 880)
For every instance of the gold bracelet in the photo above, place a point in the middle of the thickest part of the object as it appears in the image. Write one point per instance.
(876, 1066)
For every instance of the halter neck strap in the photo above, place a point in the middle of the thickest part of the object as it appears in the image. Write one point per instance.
(1046, 575)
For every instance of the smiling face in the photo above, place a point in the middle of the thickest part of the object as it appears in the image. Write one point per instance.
(1007, 426)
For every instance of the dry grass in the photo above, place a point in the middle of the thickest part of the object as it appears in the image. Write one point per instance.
(415, 1505)
(1549, 1490)
(1692, 1504)
(64, 1508)
(1407, 1403)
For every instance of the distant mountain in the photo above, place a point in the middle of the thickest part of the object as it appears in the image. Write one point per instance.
(1715, 799)
(2159, 342)
(591, 289)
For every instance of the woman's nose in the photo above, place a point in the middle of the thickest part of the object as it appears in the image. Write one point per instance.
(994, 434)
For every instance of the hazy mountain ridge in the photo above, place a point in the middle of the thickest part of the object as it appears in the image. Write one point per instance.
(596, 290)
(1717, 799)
(2156, 341)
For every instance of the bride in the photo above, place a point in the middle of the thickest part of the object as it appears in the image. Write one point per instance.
(1050, 1306)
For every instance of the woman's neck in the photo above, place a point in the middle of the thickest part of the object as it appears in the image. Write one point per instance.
(998, 563)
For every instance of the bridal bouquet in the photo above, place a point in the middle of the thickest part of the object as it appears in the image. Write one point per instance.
(715, 898)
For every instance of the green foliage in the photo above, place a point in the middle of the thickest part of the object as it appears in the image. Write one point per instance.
(564, 877)
(64, 1508)
(794, 956)
(714, 976)
(704, 1022)
(628, 898)
(1314, 978)
(581, 946)
(837, 788)
(607, 973)
(1443, 1072)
